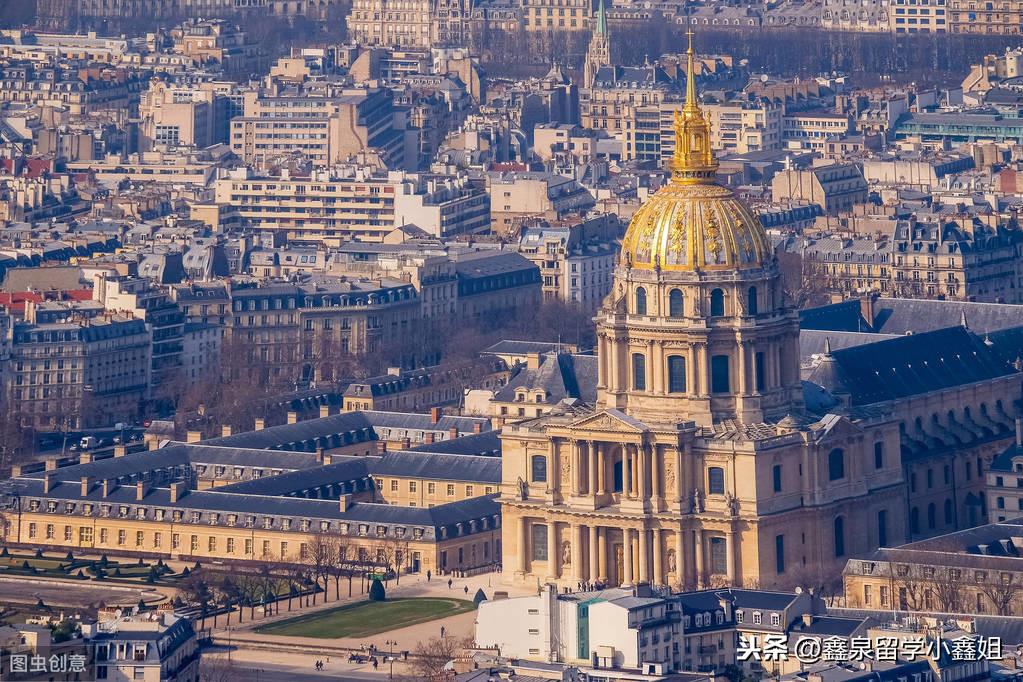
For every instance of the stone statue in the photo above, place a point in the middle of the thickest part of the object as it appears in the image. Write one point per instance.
(731, 503)
(523, 489)
(671, 561)
(566, 553)
(697, 500)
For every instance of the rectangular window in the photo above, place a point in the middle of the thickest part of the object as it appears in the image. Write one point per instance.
(230, 545)
(776, 477)
(719, 380)
(779, 553)
(758, 368)
(638, 372)
(451, 490)
(539, 532)
(158, 540)
(248, 546)
(139, 538)
(121, 537)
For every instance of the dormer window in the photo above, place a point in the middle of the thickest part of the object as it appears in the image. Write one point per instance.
(87, 508)
(51, 506)
(757, 618)
(177, 516)
(344, 529)
(160, 514)
(775, 619)
(238, 472)
(286, 524)
(363, 529)
(69, 508)
(122, 512)
(268, 521)
(304, 526)
(232, 519)
(381, 531)
(740, 616)
(140, 513)
(195, 517)
(324, 526)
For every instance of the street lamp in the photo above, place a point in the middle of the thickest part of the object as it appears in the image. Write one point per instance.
(390, 657)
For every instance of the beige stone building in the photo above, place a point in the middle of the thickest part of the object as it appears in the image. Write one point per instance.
(401, 23)
(556, 15)
(997, 18)
(705, 460)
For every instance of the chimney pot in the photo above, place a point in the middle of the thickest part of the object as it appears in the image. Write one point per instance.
(260, 424)
(319, 455)
(292, 417)
(382, 446)
(193, 436)
(434, 414)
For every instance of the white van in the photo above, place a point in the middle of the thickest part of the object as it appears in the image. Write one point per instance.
(88, 442)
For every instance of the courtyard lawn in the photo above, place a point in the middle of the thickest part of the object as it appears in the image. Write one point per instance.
(368, 618)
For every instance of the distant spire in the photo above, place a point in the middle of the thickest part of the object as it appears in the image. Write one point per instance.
(601, 28)
(962, 319)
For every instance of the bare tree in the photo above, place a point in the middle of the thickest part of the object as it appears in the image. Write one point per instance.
(319, 556)
(946, 584)
(1000, 590)
(217, 669)
(428, 660)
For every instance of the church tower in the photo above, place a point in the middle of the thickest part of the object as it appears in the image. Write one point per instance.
(698, 465)
(697, 326)
(599, 52)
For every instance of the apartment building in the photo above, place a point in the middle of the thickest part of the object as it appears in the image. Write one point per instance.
(429, 479)
(327, 128)
(995, 18)
(812, 129)
(398, 23)
(345, 203)
(862, 16)
(835, 188)
(70, 372)
(745, 125)
(515, 197)
(616, 91)
(556, 15)
(191, 114)
(215, 41)
(919, 16)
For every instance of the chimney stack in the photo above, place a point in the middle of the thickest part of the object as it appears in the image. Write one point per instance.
(140, 490)
(178, 490)
(193, 436)
(453, 432)
(51, 464)
(345, 502)
(86, 485)
(382, 447)
(109, 486)
(120, 450)
(260, 424)
(292, 417)
(49, 480)
(15, 471)
(477, 427)
(225, 430)
(434, 414)
(319, 455)
(406, 443)
(324, 411)
(428, 437)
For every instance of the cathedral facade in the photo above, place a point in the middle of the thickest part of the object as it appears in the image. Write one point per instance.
(698, 465)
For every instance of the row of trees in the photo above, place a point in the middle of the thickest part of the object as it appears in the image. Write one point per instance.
(327, 563)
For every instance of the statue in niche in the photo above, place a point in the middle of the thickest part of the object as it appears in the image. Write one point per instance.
(523, 489)
(566, 553)
(731, 503)
(671, 561)
(697, 500)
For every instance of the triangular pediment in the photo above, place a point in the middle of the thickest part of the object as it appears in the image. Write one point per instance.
(835, 426)
(610, 420)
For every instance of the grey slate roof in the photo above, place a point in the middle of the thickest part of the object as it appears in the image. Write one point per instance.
(560, 376)
(447, 467)
(351, 469)
(486, 444)
(903, 315)
(811, 341)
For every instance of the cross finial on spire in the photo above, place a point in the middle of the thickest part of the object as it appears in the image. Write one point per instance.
(690, 35)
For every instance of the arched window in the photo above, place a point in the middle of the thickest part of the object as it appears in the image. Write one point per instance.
(638, 372)
(675, 303)
(948, 512)
(676, 374)
(776, 477)
(538, 467)
(932, 516)
(640, 301)
(836, 464)
(719, 381)
(882, 528)
(839, 536)
(715, 481)
(539, 542)
(717, 303)
(914, 520)
(751, 301)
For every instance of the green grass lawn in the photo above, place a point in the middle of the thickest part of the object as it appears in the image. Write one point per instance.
(367, 618)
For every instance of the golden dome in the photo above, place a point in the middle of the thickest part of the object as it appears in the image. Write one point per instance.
(693, 223)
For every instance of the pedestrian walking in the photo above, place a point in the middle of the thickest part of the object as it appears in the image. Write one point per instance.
(450, 581)
(429, 575)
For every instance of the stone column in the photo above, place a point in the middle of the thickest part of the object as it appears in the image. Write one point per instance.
(577, 469)
(592, 569)
(577, 552)
(655, 478)
(730, 556)
(627, 556)
(552, 455)
(552, 550)
(626, 472)
(680, 558)
(743, 384)
(703, 369)
(523, 543)
(591, 466)
(644, 555)
(658, 549)
(698, 544)
(602, 553)
(679, 475)
(642, 467)
(602, 471)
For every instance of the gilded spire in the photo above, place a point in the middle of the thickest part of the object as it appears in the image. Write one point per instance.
(694, 160)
